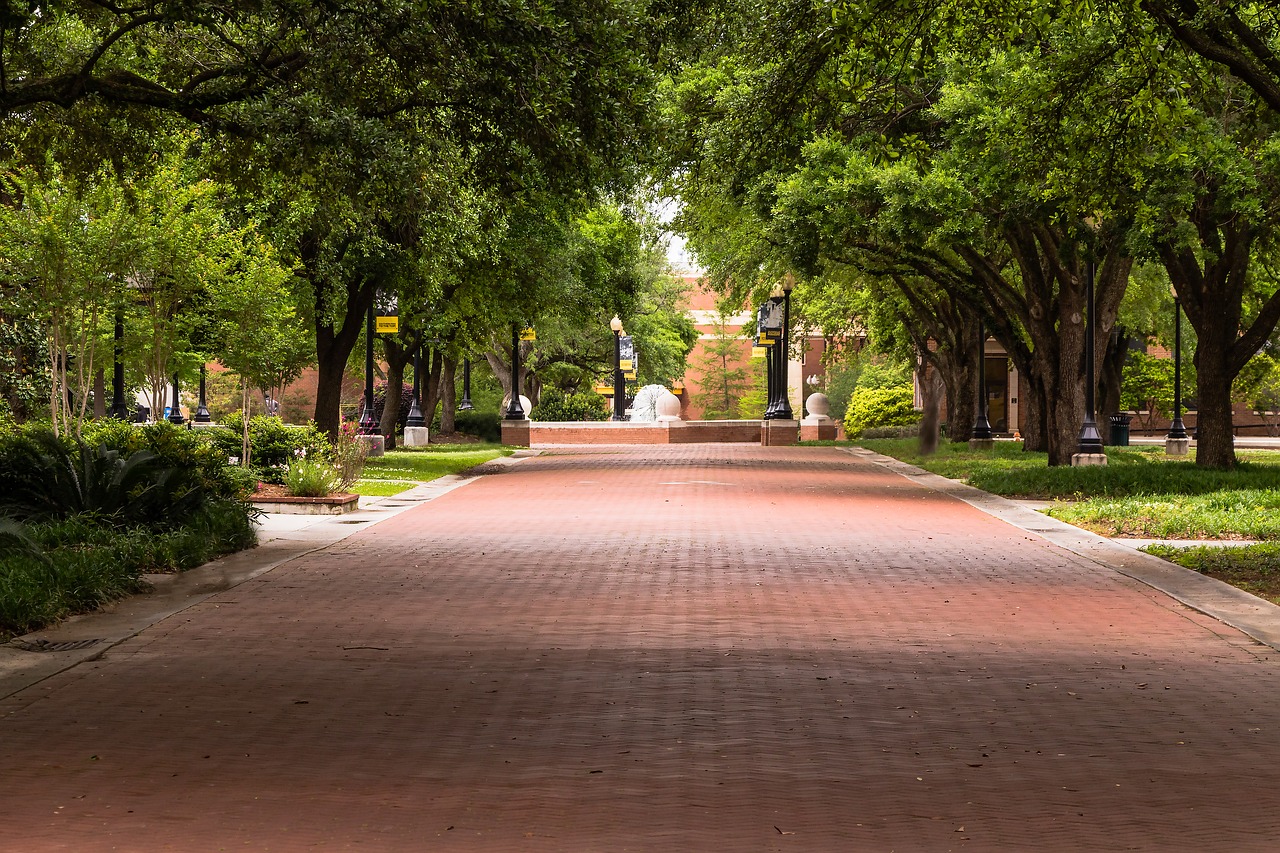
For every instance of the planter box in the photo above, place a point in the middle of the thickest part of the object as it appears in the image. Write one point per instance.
(330, 505)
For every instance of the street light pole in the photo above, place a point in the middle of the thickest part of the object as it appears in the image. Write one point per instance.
(175, 411)
(619, 382)
(770, 380)
(1177, 431)
(415, 418)
(982, 426)
(118, 408)
(772, 359)
(515, 411)
(202, 415)
(1090, 439)
(465, 405)
(784, 356)
(368, 424)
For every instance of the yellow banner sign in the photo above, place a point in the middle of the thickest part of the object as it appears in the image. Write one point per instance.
(386, 325)
(528, 335)
(604, 389)
(759, 352)
(625, 364)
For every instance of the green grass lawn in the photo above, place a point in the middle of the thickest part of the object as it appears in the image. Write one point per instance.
(1253, 568)
(399, 470)
(1141, 493)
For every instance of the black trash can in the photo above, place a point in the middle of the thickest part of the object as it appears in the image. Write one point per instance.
(1120, 430)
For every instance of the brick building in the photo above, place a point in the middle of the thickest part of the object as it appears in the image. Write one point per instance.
(804, 369)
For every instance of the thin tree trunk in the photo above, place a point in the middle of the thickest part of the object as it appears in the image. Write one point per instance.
(245, 401)
(99, 393)
(431, 387)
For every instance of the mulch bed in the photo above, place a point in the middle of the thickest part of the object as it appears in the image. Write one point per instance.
(270, 490)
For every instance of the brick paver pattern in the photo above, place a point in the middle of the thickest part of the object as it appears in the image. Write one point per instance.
(676, 648)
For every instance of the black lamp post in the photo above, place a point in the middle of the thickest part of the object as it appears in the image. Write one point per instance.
(619, 381)
(774, 358)
(982, 426)
(175, 411)
(515, 411)
(784, 354)
(1090, 439)
(465, 404)
(770, 379)
(118, 408)
(202, 415)
(1177, 431)
(415, 418)
(368, 424)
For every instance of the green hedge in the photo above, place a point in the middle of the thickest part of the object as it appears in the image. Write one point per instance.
(98, 512)
(273, 444)
(880, 407)
(555, 405)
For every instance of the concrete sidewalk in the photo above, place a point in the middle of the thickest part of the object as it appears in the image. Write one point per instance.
(700, 647)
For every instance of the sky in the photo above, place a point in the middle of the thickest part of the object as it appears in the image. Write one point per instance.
(679, 257)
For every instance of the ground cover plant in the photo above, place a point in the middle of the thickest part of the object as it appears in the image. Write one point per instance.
(81, 520)
(403, 469)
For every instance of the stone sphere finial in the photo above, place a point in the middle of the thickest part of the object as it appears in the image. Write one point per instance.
(818, 404)
(668, 407)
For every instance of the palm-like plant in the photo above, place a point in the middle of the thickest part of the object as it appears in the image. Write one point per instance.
(49, 478)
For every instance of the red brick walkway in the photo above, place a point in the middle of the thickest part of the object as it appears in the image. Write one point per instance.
(696, 648)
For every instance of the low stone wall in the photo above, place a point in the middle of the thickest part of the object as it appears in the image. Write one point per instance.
(674, 432)
(290, 505)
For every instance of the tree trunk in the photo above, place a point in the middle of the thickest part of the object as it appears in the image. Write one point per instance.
(932, 390)
(334, 343)
(448, 401)
(961, 382)
(431, 385)
(499, 360)
(1111, 373)
(391, 404)
(1215, 438)
(331, 363)
(397, 356)
(1032, 411)
(500, 363)
(1051, 308)
(99, 394)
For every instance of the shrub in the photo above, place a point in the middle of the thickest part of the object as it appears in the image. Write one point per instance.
(273, 444)
(879, 407)
(310, 477)
(486, 426)
(555, 405)
(190, 450)
(52, 478)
